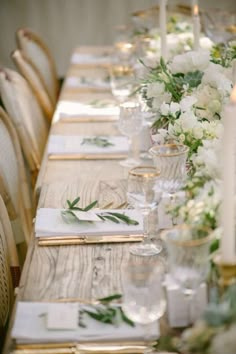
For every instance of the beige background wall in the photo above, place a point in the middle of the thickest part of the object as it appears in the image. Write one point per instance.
(67, 23)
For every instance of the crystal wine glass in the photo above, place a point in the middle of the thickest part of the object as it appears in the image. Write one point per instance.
(142, 194)
(130, 124)
(188, 248)
(171, 159)
(143, 296)
(122, 81)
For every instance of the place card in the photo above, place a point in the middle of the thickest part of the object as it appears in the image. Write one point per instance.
(86, 216)
(62, 316)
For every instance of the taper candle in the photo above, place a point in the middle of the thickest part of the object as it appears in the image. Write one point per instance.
(163, 29)
(228, 241)
(196, 28)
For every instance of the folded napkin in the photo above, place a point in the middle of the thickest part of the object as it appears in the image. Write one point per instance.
(63, 145)
(49, 222)
(79, 82)
(80, 58)
(94, 109)
(30, 326)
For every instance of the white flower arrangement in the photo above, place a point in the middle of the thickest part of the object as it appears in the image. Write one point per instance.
(188, 95)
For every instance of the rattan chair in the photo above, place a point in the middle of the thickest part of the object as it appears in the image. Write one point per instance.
(27, 116)
(28, 70)
(6, 231)
(36, 50)
(6, 288)
(13, 182)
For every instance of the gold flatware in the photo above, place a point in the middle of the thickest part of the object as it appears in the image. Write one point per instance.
(86, 156)
(83, 240)
(87, 119)
(67, 348)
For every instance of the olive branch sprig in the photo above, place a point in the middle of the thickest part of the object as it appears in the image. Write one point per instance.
(111, 216)
(105, 312)
(97, 141)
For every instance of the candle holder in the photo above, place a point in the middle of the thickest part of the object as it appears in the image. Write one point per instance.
(227, 271)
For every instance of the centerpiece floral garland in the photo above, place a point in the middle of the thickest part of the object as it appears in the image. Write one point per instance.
(187, 97)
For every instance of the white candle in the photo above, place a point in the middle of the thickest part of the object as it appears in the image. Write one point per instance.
(228, 241)
(234, 71)
(196, 28)
(163, 28)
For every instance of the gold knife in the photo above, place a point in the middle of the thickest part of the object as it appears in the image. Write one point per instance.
(84, 119)
(77, 156)
(80, 240)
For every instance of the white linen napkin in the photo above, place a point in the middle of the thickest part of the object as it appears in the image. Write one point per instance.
(82, 58)
(49, 222)
(30, 327)
(61, 144)
(78, 82)
(70, 109)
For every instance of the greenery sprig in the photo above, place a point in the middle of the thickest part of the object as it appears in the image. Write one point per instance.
(111, 216)
(97, 141)
(106, 312)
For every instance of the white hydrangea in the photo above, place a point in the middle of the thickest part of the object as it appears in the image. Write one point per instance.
(190, 61)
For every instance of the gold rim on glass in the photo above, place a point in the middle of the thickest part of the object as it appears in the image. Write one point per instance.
(154, 150)
(153, 172)
(188, 243)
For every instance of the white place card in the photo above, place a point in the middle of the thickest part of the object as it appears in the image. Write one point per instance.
(62, 316)
(87, 216)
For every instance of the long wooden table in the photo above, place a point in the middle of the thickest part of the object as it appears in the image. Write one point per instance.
(79, 271)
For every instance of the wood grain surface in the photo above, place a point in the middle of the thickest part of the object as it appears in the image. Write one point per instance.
(79, 271)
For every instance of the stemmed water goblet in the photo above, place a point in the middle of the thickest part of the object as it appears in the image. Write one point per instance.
(130, 124)
(122, 81)
(171, 159)
(188, 248)
(143, 195)
(143, 296)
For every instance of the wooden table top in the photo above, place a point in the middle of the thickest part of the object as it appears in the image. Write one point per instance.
(79, 271)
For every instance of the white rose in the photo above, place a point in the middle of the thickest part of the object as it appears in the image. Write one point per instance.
(215, 106)
(198, 132)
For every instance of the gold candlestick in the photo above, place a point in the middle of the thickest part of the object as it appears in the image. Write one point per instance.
(227, 271)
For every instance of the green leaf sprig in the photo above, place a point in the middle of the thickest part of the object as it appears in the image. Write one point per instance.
(111, 216)
(106, 312)
(97, 141)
